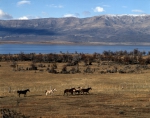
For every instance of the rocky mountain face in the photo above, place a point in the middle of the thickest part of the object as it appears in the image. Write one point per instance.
(106, 28)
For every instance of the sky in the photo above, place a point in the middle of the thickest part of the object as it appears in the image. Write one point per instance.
(34, 9)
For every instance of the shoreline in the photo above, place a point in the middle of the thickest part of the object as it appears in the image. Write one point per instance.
(74, 43)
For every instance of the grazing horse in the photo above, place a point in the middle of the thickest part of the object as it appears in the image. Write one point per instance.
(23, 92)
(86, 90)
(50, 91)
(66, 91)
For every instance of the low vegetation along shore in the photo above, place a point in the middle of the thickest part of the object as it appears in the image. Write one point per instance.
(119, 82)
(74, 43)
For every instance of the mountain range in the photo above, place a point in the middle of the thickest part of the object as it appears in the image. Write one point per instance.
(134, 29)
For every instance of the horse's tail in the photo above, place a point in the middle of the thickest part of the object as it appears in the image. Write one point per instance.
(65, 92)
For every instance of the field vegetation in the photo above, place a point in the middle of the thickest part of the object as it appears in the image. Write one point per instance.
(120, 83)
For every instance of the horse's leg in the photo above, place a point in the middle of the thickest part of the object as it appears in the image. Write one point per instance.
(65, 92)
(78, 92)
(25, 94)
(47, 93)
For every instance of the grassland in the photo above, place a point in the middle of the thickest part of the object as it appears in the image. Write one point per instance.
(113, 95)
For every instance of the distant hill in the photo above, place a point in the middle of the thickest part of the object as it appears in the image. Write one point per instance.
(106, 28)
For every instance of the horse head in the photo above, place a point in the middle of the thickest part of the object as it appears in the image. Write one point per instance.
(73, 89)
(90, 88)
(54, 89)
(79, 88)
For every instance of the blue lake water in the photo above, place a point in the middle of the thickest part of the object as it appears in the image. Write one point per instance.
(45, 49)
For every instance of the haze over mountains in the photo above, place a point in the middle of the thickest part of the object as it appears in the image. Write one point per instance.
(106, 28)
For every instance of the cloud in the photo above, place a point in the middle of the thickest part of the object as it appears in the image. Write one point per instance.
(44, 13)
(28, 17)
(98, 9)
(23, 2)
(86, 13)
(24, 18)
(77, 14)
(4, 15)
(124, 6)
(137, 10)
(55, 6)
(69, 15)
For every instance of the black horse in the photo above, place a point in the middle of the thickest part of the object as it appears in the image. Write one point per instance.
(23, 92)
(66, 91)
(86, 90)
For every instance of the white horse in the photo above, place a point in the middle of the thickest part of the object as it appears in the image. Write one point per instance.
(78, 90)
(50, 91)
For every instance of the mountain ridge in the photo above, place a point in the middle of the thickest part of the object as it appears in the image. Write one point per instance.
(105, 28)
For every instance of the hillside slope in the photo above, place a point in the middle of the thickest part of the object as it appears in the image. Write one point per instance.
(106, 28)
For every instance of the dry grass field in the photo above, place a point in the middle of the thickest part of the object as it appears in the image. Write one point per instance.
(113, 95)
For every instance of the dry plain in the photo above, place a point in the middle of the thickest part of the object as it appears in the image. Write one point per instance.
(113, 95)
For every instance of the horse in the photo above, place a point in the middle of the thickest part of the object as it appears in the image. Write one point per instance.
(86, 90)
(23, 92)
(66, 91)
(50, 91)
(78, 90)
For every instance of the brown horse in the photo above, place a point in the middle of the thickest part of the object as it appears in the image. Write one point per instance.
(66, 91)
(86, 90)
(23, 92)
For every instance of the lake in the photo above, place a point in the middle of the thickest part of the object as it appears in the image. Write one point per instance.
(45, 49)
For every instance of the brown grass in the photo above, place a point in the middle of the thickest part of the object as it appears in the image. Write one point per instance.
(112, 95)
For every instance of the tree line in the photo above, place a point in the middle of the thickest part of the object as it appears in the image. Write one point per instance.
(121, 57)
